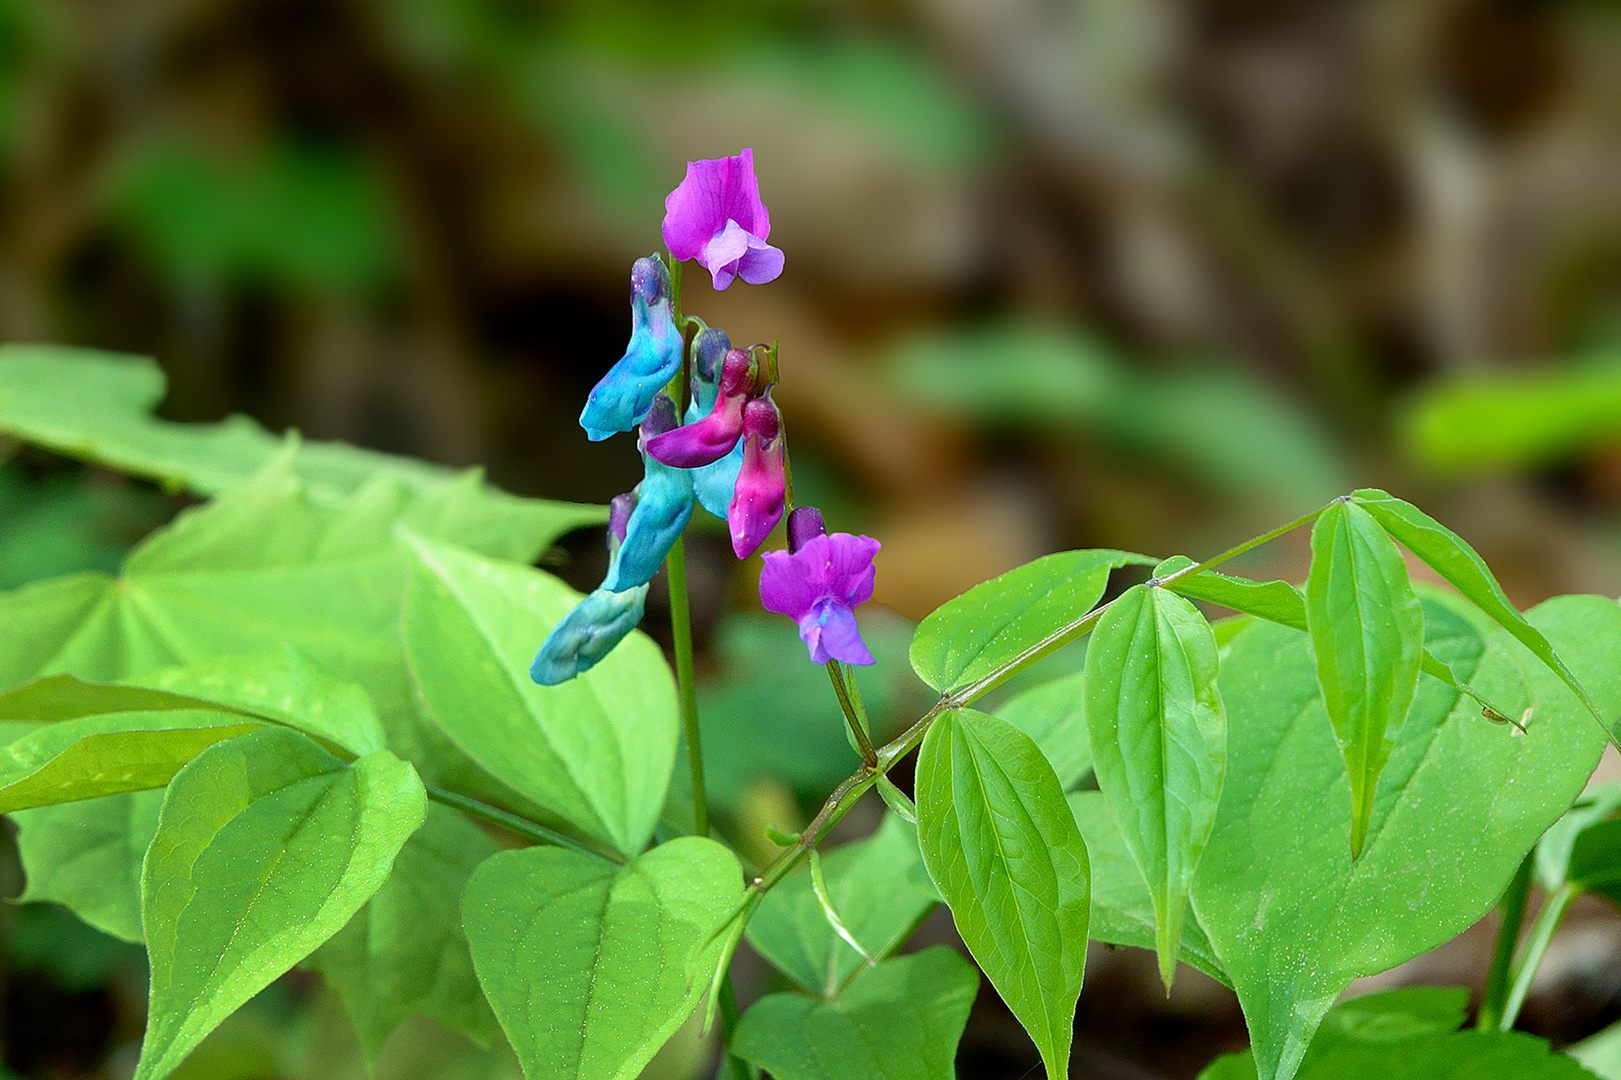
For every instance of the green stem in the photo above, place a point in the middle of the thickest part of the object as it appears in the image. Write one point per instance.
(522, 826)
(855, 717)
(681, 631)
(1548, 919)
(733, 1067)
(1513, 904)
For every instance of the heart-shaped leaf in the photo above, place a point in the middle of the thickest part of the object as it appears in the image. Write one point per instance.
(591, 966)
(899, 1021)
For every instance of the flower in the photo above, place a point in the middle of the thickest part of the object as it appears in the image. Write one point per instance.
(663, 506)
(714, 483)
(713, 437)
(819, 586)
(762, 482)
(587, 633)
(715, 216)
(621, 399)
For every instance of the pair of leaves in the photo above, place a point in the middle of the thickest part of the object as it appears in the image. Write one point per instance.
(590, 966)
(1290, 916)
(1412, 1034)
(265, 847)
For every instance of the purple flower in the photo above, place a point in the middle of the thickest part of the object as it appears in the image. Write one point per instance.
(715, 216)
(762, 481)
(819, 586)
(713, 437)
(621, 399)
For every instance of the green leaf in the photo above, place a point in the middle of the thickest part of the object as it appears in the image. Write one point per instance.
(1367, 633)
(1292, 918)
(900, 1021)
(97, 407)
(1053, 713)
(87, 857)
(1159, 742)
(107, 755)
(1600, 1053)
(1445, 552)
(404, 953)
(1557, 846)
(279, 686)
(596, 750)
(266, 846)
(1122, 909)
(1411, 1035)
(880, 890)
(1003, 850)
(1275, 601)
(590, 966)
(967, 638)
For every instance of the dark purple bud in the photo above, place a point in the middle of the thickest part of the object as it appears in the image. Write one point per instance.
(804, 523)
(661, 417)
(619, 512)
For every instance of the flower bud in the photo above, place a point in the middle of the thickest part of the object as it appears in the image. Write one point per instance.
(713, 437)
(621, 399)
(619, 512)
(804, 523)
(757, 501)
(663, 508)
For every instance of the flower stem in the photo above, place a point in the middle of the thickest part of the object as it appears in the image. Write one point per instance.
(1513, 903)
(1553, 910)
(681, 632)
(854, 715)
(733, 1067)
(522, 826)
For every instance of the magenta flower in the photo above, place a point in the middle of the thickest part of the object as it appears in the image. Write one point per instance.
(819, 586)
(762, 482)
(712, 438)
(715, 216)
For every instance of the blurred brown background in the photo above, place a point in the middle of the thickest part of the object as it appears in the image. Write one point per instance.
(1151, 274)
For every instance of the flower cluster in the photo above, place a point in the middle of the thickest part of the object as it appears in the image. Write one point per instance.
(726, 451)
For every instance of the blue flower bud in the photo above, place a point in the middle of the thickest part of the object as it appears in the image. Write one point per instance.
(587, 633)
(621, 399)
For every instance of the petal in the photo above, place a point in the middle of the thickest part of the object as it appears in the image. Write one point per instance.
(784, 588)
(663, 508)
(850, 571)
(715, 483)
(742, 195)
(587, 633)
(761, 263)
(694, 211)
(840, 638)
(709, 440)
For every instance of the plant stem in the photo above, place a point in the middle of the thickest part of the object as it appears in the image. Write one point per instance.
(525, 828)
(854, 715)
(1513, 904)
(1553, 910)
(681, 632)
(732, 1066)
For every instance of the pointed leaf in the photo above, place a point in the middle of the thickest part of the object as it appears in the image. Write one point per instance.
(106, 755)
(900, 1021)
(880, 890)
(966, 639)
(1002, 847)
(1159, 742)
(1367, 634)
(87, 857)
(596, 750)
(1275, 601)
(1292, 918)
(590, 966)
(1445, 552)
(266, 846)
(404, 953)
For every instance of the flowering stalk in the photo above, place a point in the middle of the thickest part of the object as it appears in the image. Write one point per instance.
(681, 618)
